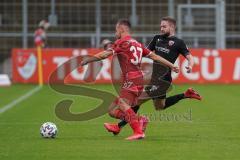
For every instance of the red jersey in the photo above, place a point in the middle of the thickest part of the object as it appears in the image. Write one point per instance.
(130, 53)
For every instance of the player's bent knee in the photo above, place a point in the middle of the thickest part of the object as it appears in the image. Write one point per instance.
(159, 105)
(111, 112)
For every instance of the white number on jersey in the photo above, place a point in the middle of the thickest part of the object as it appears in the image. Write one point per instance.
(137, 53)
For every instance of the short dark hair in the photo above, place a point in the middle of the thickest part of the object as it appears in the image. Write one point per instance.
(170, 20)
(125, 22)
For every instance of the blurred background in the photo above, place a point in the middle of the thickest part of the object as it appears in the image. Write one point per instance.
(84, 23)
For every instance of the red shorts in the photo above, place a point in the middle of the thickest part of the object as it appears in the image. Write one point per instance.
(130, 91)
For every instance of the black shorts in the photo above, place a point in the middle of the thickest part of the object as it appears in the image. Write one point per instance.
(159, 86)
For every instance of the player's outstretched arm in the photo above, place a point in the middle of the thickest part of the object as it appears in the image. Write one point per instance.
(159, 59)
(99, 56)
(190, 63)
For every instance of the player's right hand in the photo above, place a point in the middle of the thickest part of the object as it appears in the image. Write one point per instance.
(189, 69)
(84, 62)
(175, 69)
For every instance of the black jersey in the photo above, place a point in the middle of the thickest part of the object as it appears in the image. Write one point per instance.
(169, 48)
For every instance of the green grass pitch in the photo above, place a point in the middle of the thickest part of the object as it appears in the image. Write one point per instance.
(204, 130)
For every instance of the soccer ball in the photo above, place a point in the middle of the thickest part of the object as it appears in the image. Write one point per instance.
(48, 130)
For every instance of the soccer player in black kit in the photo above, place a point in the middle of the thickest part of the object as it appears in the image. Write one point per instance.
(168, 46)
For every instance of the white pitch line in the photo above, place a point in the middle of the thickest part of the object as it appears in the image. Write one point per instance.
(20, 99)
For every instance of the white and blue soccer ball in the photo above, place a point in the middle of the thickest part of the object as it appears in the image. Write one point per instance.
(48, 130)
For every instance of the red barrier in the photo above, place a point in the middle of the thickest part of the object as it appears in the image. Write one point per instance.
(212, 66)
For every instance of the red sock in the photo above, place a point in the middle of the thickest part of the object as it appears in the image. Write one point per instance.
(132, 118)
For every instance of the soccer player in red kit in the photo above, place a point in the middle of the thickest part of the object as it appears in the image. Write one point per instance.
(129, 53)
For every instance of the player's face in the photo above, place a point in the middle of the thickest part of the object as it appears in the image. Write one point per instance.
(165, 28)
(118, 31)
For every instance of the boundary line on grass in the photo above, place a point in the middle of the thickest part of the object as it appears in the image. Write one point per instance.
(20, 99)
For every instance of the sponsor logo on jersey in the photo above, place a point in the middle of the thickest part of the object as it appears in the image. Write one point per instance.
(165, 50)
(170, 43)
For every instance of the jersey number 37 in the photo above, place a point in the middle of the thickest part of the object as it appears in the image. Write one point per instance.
(137, 54)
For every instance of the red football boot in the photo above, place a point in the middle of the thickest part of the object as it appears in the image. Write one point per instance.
(112, 128)
(136, 136)
(190, 93)
(139, 134)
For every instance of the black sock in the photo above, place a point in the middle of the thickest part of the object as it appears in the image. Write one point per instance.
(123, 123)
(173, 100)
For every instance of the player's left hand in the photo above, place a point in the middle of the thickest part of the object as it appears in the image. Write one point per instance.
(189, 69)
(175, 69)
(84, 62)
